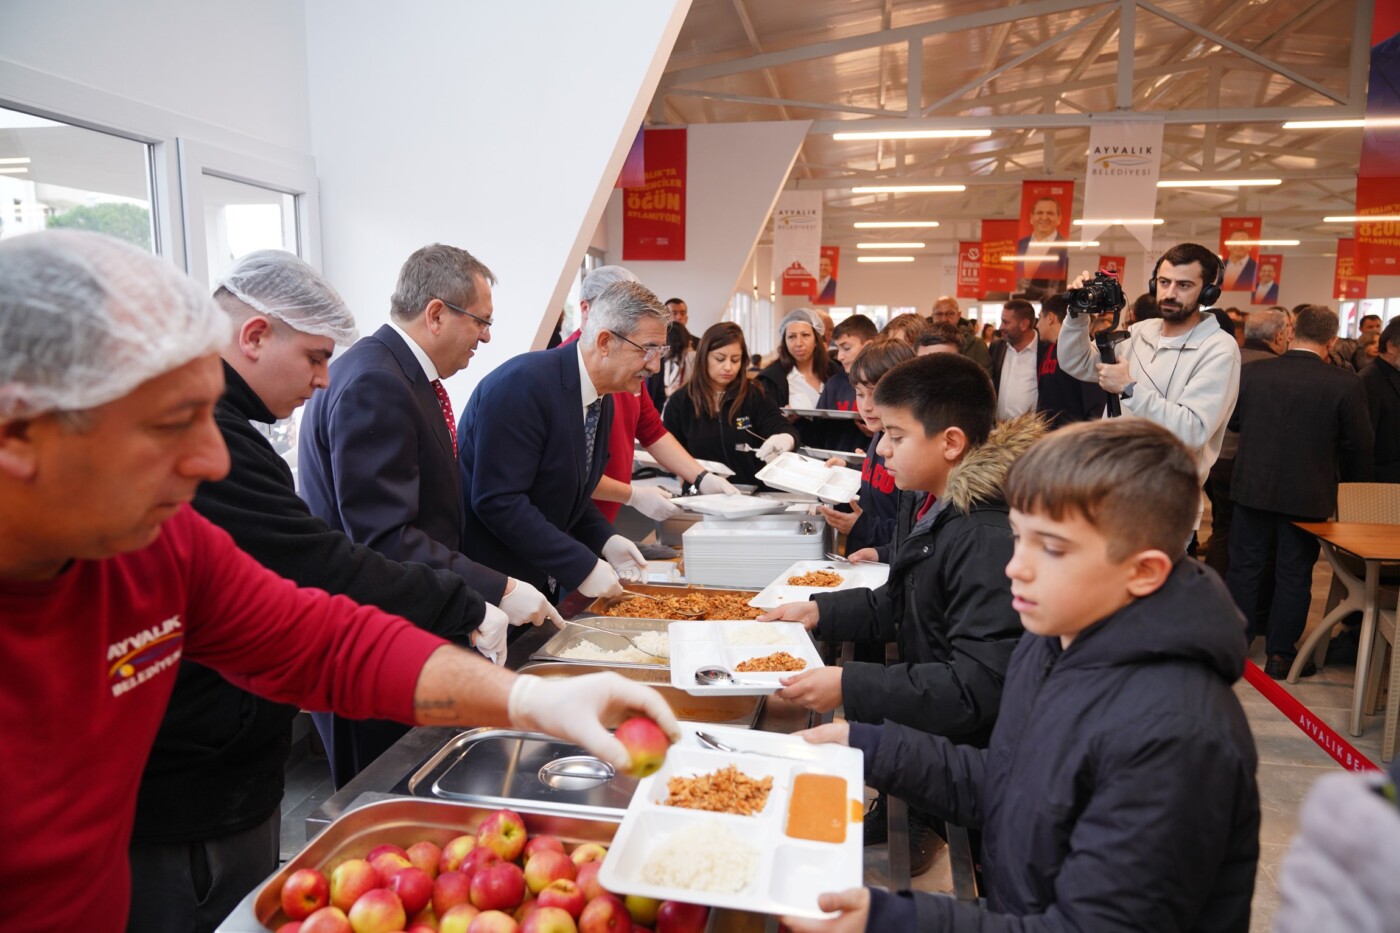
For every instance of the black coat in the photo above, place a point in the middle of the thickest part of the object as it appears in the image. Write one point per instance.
(1382, 384)
(1118, 792)
(1303, 426)
(947, 604)
(715, 438)
(1062, 398)
(216, 766)
(998, 356)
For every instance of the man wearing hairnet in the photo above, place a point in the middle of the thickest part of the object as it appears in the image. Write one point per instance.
(109, 375)
(212, 790)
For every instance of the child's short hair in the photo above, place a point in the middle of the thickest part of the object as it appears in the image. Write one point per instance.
(941, 334)
(876, 358)
(858, 326)
(906, 327)
(943, 390)
(1130, 478)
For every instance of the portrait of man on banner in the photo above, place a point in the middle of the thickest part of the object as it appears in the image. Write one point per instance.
(1045, 216)
(1240, 256)
(827, 270)
(1267, 282)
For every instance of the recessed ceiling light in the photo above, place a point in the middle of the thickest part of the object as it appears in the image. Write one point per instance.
(881, 224)
(1361, 218)
(889, 246)
(1265, 242)
(1129, 222)
(912, 134)
(1358, 123)
(884, 259)
(905, 189)
(1218, 182)
(12, 170)
(14, 161)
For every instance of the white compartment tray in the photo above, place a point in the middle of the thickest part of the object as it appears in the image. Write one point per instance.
(722, 506)
(717, 644)
(796, 473)
(788, 873)
(853, 576)
(644, 458)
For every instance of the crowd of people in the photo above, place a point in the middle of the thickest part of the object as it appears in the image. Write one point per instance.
(1045, 650)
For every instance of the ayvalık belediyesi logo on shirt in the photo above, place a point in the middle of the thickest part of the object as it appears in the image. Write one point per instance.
(137, 658)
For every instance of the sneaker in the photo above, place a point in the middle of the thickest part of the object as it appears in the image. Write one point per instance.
(1278, 666)
(877, 823)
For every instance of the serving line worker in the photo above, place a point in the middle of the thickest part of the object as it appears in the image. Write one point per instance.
(721, 408)
(109, 375)
(635, 418)
(796, 378)
(212, 791)
(533, 441)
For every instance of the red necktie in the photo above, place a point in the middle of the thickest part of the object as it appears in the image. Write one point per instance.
(445, 404)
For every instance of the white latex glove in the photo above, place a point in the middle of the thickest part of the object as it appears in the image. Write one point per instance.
(712, 484)
(490, 636)
(775, 447)
(602, 581)
(525, 605)
(653, 502)
(582, 710)
(625, 558)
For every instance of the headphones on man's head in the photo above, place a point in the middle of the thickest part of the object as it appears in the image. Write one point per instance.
(1210, 294)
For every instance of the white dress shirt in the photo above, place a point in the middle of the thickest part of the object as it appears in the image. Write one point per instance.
(418, 352)
(800, 391)
(585, 382)
(1018, 389)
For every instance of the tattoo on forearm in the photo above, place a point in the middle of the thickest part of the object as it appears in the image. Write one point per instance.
(437, 708)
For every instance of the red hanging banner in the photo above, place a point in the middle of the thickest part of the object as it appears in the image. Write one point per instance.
(653, 216)
(1241, 258)
(969, 269)
(1348, 281)
(1266, 283)
(1045, 214)
(633, 174)
(1378, 241)
(1113, 265)
(828, 269)
(998, 274)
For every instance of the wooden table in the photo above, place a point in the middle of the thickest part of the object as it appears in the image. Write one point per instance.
(1372, 544)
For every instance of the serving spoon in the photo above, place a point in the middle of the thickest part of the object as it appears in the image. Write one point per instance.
(630, 639)
(718, 676)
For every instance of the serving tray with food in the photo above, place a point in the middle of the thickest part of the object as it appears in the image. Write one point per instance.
(806, 577)
(751, 657)
(741, 829)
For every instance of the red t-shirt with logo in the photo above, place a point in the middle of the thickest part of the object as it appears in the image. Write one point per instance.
(89, 664)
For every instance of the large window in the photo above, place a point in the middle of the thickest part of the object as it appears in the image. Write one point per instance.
(53, 175)
(240, 218)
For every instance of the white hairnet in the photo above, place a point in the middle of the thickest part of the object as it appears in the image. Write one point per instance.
(85, 319)
(600, 278)
(278, 283)
(801, 316)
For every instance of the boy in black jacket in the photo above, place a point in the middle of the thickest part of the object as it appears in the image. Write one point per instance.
(1118, 792)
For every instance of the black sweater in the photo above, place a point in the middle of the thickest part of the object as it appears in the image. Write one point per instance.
(715, 438)
(216, 766)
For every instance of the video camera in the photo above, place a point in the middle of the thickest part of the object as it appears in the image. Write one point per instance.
(1103, 294)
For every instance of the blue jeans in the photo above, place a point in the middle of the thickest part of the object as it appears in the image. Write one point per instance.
(1254, 535)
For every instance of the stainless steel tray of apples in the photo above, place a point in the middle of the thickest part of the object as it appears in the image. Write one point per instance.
(741, 711)
(425, 866)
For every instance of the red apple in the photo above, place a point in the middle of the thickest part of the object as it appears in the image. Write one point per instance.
(642, 909)
(524, 909)
(378, 911)
(350, 879)
(676, 917)
(421, 928)
(388, 864)
(549, 920)
(304, 893)
(493, 921)
(500, 887)
(504, 833)
(605, 914)
(544, 867)
(293, 927)
(564, 894)
(381, 849)
(455, 853)
(458, 919)
(541, 843)
(450, 889)
(646, 745)
(587, 880)
(588, 852)
(326, 920)
(479, 858)
(414, 888)
(426, 856)
(425, 921)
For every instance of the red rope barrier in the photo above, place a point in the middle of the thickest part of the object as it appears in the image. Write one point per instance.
(1302, 717)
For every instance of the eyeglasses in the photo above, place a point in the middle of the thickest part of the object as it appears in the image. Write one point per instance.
(650, 353)
(484, 322)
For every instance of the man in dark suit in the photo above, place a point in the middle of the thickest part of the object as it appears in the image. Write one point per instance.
(1302, 425)
(1061, 397)
(533, 442)
(377, 458)
(1382, 381)
(1016, 360)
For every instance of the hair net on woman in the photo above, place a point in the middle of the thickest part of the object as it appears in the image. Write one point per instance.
(801, 316)
(85, 319)
(278, 283)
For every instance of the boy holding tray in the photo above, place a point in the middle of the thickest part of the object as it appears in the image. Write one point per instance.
(1118, 792)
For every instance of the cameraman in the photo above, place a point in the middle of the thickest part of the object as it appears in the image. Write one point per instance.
(1181, 370)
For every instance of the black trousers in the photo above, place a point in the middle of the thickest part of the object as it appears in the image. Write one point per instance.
(351, 744)
(190, 887)
(1254, 535)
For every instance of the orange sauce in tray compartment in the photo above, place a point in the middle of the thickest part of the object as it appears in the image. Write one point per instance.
(818, 810)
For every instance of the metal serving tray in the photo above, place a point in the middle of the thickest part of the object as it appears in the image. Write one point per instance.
(571, 635)
(742, 712)
(598, 605)
(400, 822)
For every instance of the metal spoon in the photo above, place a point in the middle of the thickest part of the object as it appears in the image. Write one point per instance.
(832, 555)
(711, 742)
(625, 637)
(718, 676)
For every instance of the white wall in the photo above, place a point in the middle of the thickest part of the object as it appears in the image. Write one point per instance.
(237, 67)
(499, 128)
(734, 174)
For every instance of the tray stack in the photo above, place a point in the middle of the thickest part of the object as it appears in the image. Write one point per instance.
(750, 553)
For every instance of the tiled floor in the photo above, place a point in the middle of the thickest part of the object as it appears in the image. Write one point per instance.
(1289, 762)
